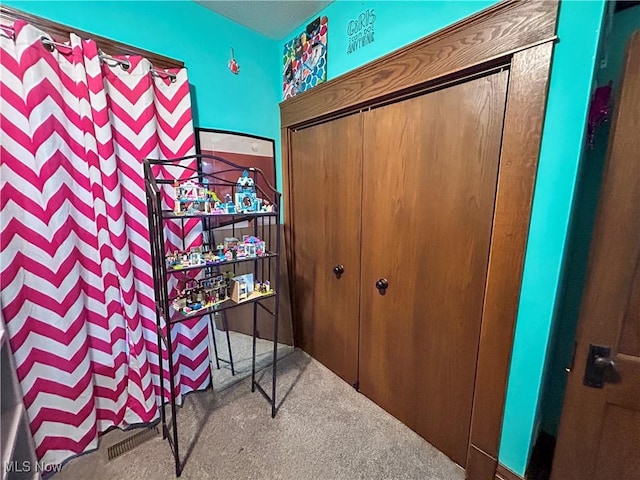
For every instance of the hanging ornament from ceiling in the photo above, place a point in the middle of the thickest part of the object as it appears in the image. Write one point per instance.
(233, 64)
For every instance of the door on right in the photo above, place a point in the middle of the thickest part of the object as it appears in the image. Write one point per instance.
(599, 437)
(430, 165)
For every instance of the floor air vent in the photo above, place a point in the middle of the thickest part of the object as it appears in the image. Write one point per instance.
(131, 442)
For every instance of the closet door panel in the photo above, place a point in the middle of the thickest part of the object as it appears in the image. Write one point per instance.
(430, 172)
(326, 203)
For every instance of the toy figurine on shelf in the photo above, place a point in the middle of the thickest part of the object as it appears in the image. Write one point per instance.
(246, 198)
(228, 206)
(195, 257)
(220, 288)
(267, 207)
(233, 249)
(213, 200)
(230, 243)
(172, 259)
(180, 304)
(263, 287)
(254, 247)
(242, 291)
(186, 190)
(194, 295)
(194, 302)
(192, 199)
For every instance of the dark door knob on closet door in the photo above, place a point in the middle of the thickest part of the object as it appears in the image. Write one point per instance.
(338, 270)
(604, 362)
(382, 285)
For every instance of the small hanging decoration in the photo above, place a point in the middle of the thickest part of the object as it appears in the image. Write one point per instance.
(233, 65)
(598, 111)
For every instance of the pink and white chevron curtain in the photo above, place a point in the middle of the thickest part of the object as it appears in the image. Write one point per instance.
(77, 291)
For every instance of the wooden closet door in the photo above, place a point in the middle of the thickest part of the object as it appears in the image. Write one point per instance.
(326, 179)
(430, 173)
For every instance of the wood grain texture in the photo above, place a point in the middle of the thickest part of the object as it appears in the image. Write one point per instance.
(619, 453)
(522, 136)
(326, 176)
(522, 133)
(286, 221)
(480, 465)
(61, 32)
(495, 32)
(503, 473)
(430, 175)
(630, 331)
(600, 428)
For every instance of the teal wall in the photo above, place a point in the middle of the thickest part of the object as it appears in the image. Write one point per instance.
(563, 139)
(247, 102)
(398, 23)
(622, 25)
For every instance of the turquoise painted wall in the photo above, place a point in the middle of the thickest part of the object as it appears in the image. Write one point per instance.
(398, 23)
(247, 102)
(623, 24)
(562, 144)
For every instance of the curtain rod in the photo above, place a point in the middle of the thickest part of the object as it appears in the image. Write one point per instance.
(125, 64)
(5, 29)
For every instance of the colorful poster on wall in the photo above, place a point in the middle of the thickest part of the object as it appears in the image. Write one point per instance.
(304, 63)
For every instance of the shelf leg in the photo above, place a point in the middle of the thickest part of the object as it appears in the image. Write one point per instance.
(276, 321)
(213, 336)
(163, 417)
(172, 396)
(226, 329)
(253, 356)
(274, 367)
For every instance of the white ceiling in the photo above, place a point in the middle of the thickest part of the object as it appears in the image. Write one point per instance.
(272, 18)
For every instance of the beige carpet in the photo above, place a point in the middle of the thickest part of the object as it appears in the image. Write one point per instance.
(241, 348)
(324, 430)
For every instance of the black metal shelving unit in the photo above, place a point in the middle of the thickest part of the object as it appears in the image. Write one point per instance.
(262, 223)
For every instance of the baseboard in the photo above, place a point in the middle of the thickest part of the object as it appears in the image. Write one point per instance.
(480, 465)
(503, 473)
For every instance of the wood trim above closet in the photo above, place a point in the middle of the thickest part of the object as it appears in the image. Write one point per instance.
(59, 31)
(496, 32)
